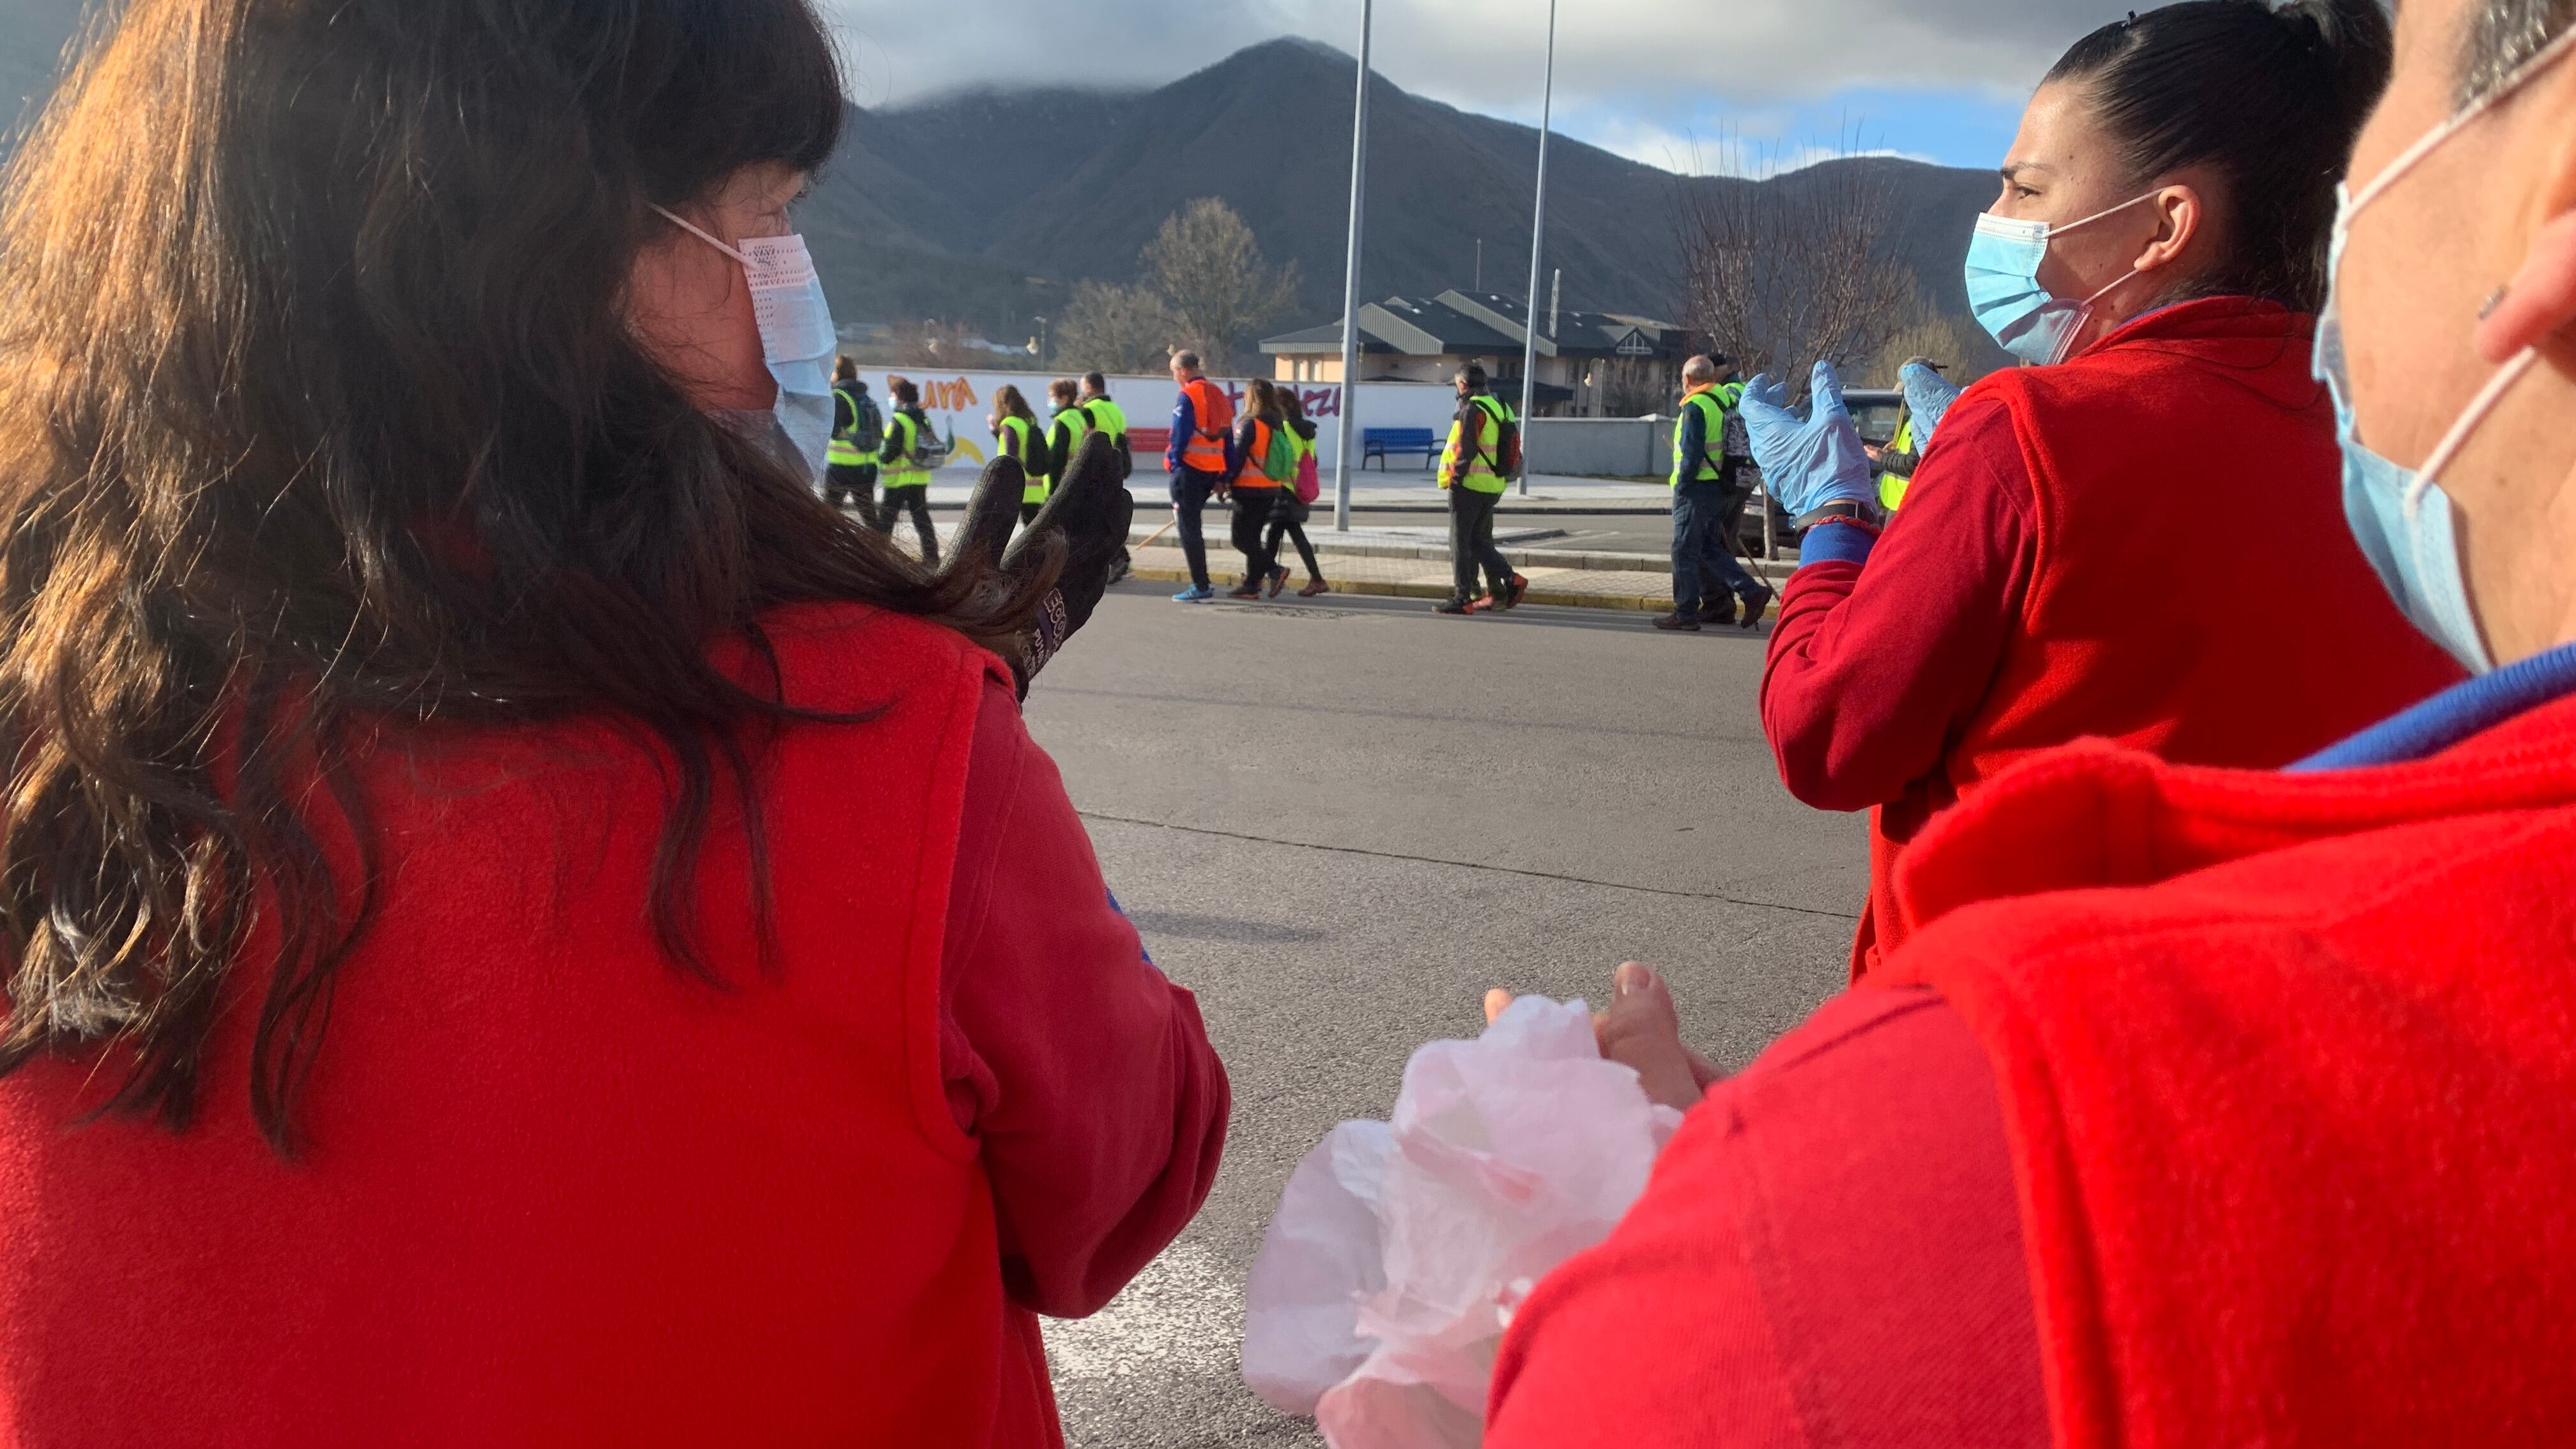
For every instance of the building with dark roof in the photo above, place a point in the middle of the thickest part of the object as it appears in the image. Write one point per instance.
(1590, 364)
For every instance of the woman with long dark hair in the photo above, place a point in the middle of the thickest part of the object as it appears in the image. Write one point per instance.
(1020, 437)
(2156, 256)
(523, 926)
(2204, 1105)
(1288, 516)
(1260, 440)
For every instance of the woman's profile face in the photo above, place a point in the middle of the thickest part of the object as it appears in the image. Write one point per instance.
(691, 304)
(2064, 167)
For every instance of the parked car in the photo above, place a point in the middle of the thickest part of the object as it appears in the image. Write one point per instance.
(1874, 412)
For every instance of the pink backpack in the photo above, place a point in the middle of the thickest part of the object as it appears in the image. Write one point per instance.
(1309, 486)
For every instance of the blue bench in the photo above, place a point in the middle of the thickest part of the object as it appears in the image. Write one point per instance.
(1383, 443)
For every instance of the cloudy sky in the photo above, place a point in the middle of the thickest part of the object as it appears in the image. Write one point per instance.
(1732, 85)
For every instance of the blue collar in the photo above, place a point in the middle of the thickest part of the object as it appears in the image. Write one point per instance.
(2455, 714)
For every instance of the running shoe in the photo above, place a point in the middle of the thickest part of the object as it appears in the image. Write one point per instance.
(1511, 594)
(1454, 606)
(1195, 594)
(1315, 589)
(1278, 581)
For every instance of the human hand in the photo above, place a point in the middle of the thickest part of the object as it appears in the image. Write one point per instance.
(1642, 1031)
(1808, 458)
(1084, 524)
(1928, 396)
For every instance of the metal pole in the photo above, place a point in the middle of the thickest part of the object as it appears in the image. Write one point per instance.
(1538, 231)
(1351, 288)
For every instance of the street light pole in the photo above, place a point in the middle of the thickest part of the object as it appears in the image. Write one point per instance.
(1351, 287)
(1538, 231)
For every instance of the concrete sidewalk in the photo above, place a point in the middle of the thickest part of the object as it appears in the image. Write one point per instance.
(1631, 588)
(1404, 492)
(1413, 563)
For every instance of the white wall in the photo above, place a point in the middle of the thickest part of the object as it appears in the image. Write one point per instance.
(959, 403)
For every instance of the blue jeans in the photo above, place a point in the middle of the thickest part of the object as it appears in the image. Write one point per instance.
(1702, 563)
(1190, 490)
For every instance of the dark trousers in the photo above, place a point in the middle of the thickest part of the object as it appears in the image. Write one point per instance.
(1190, 490)
(914, 500)
(1704, 567)
(1289, 520)
(1253, 508)
(853, 485)
(1471, 542)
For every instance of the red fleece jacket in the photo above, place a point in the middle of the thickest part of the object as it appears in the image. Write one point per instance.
(558, 1195)
(2145, 544)
(2284, 1065)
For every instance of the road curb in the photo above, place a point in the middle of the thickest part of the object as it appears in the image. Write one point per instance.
(1369, 588)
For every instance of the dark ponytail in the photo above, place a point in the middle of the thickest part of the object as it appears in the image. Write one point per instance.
(2270, 96)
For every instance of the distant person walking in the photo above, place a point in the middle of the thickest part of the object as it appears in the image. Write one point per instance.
(858, 430)
(1103, 414)
(1895, 463)
(1022, 439)
(1199, 460)
(1265, 466)
(1708, 496)
(1067, 426)
(903, 471)
(1474, 471)
(1295, 502)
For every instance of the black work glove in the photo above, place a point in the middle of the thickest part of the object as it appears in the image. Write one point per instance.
(1090, 510)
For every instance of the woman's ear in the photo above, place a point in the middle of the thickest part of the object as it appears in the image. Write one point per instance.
(2180, 215)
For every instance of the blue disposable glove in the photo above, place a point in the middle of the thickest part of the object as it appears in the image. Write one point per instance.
(1812, 458)
(1928, 396)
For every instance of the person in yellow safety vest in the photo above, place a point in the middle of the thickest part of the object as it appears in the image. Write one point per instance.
(1065, 432)
(900, 471)
(1708, 497)
(850, 462)
(1472, 469)
(1106, 416)
(1897, 461)
(1016, 429)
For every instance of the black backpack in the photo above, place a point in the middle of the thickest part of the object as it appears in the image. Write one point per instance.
(867, 426)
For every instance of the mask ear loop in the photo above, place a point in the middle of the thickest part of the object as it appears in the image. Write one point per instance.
(2447, 452)
(684, 224)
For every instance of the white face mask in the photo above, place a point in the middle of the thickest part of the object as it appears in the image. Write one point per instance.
(796, 335)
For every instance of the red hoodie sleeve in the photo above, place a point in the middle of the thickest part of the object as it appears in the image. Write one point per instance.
(1083, 1072)
(1875, 665)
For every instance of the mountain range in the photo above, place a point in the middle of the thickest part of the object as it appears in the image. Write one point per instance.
(985, 207)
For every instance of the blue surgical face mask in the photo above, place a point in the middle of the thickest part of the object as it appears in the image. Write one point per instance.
(2024, 318)
(2406, 525)
(796, 335)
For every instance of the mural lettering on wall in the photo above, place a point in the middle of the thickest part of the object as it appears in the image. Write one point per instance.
(1314, 402)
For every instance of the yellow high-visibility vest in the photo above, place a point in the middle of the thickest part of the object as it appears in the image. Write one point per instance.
(1477, 473)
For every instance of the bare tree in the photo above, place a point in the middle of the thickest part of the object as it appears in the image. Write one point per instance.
(1115, 329)
(1208, 268)
(1782, 271)
(1954, 342)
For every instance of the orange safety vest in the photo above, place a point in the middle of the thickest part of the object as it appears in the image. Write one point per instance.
(1214, 413)
(1256, 453)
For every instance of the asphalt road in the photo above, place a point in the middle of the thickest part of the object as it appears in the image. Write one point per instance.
(1339, 823)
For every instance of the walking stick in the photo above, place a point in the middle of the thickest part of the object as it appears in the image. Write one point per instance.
(1157, 533)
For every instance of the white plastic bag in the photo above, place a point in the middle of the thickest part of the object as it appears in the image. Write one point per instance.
(1401, 1249)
